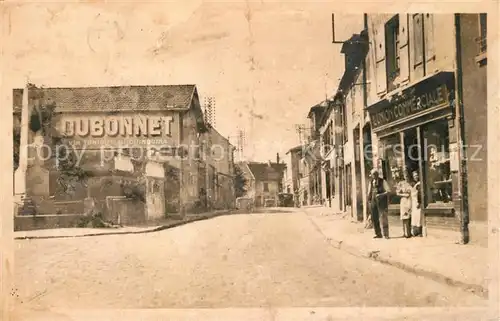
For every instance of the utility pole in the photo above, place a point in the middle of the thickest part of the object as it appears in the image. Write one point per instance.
(301, 131)
(20, 174)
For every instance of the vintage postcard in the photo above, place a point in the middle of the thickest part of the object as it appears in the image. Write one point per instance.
(249, 160)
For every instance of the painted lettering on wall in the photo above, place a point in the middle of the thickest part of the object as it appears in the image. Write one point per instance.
(114, 126)
(411, 105)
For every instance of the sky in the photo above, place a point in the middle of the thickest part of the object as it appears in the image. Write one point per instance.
(264, 63)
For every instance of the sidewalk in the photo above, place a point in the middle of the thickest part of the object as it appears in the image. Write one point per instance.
(433, 257)
(146, 228)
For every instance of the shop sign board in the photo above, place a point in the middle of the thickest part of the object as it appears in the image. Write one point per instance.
(409, 105)
(422, 98)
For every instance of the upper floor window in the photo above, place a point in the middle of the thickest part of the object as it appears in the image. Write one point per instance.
(392, 51)
(482, 33)
(266, 187)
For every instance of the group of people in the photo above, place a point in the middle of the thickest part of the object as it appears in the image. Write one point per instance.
(408, 189)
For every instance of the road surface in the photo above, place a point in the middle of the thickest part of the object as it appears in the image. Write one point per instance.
(253, 260)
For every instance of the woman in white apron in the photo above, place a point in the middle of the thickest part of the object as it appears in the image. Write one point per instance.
(404, 190)
(416, 210)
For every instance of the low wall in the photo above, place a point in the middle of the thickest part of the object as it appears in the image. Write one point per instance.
(39, 222)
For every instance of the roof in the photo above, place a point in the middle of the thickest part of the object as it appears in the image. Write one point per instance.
(245, 169)
(315, 109)
(295, 149)
(267, 171)
(117, 98)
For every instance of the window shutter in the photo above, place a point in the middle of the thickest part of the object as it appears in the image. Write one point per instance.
(379, 43)
(381, 77)
(381, 80)
(404, 58)
(429, 36)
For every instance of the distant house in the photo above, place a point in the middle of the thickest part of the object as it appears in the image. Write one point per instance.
(268, 182)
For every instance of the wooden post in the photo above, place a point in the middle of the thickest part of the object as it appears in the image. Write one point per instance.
(422, 179)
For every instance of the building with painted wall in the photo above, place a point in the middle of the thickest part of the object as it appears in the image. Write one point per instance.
(139, 130)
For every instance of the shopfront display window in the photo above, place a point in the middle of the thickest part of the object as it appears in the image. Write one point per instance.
(438, 186)
(392, 164)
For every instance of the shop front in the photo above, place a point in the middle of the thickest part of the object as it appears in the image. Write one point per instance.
(416, 132)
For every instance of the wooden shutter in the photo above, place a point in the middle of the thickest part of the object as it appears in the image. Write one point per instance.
(417, 39)
(379, 48)
(404, 57)
(429, 36)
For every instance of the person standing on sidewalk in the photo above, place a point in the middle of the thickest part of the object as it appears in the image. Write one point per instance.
(378, 200)
(416, 211)
(404, 189)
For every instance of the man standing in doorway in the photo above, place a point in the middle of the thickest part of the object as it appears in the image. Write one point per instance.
(378, 200)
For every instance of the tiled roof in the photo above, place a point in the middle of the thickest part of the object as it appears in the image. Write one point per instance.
(264, 171)
(119, 98)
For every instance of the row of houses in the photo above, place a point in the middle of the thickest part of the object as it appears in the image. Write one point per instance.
(412, 96)
(138, 153)
(264, 181)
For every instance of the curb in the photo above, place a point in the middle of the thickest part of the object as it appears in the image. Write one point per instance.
(151, 230)
(376, 256)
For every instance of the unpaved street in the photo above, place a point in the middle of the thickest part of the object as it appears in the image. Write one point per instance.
(230, 261)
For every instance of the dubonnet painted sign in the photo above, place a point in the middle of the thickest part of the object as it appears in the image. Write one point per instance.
(155, 132)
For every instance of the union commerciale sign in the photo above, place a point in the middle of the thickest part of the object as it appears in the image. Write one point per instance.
(417, 100)
(131, 130)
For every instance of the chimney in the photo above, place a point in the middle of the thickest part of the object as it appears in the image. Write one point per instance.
(277, 158)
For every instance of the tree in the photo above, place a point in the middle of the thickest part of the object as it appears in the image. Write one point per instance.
(239, 182)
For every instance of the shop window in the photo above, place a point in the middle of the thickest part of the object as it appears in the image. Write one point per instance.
(438, 187)
(392, 163)
(392, 51)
